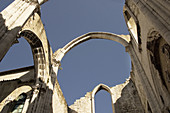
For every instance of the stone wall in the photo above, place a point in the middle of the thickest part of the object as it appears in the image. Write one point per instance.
(82, 105)
(150, 17)
(147, 91)
(126, 98)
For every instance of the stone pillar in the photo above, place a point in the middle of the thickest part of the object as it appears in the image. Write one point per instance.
(144, 81)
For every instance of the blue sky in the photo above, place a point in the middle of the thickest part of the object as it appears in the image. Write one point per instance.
(88, 64)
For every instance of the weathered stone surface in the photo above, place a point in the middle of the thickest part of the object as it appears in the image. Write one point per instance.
(83, 105)
(127, 98)
(148, 90)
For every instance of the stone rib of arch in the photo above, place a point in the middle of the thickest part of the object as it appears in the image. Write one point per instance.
(122, 39)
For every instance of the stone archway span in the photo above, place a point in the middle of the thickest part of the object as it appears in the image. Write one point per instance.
(37, 51)
(59, 54)
(97, 89)
(33, 31)
(122, 39)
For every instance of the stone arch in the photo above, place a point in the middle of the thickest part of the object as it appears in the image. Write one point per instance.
(122, 39)
(12, 96)
(33, 31)
(96, 90)
(37, 51)
(59, 54)
(18, 103)
(126, 42)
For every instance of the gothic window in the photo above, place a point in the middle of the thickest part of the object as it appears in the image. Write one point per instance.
(102, 98)
(96, 90)
(18, 103)
(159, 55)
(133, 27)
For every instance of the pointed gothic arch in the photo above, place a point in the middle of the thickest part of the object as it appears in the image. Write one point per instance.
(34, 33)
(95, 91)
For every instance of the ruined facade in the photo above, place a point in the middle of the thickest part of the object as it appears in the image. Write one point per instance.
(35, 89)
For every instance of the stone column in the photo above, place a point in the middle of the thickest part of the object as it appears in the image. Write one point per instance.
(144, 81)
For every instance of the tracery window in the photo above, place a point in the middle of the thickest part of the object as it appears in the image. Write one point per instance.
(159, 53)
(159, 61)
(19, 103)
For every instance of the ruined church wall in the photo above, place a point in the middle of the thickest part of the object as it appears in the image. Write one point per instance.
(82, 105)
(149, 28)
(140, 50)
(147, 31)
(125, 99)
